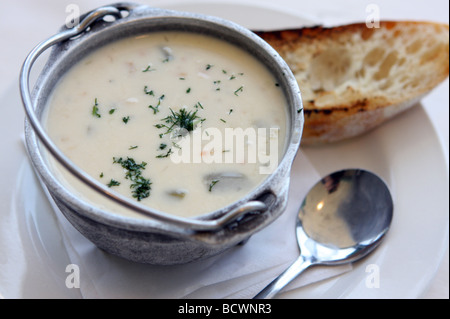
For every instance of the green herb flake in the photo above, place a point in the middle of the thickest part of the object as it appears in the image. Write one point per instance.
(239, 91)
(133, 147)
(165, 155)
(149, 92)
(112, 183)
(112, 110)
(129, 164)
(156, 108)
(95, 109)
(198, 105)
(148, 69)
(182, 119)
(125, 119)
(140, 186)
(211, 185)
(209, 66)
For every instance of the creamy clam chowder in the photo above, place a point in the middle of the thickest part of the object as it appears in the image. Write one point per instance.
(181, 122)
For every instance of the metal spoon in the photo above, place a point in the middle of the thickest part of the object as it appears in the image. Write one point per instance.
(343, 218)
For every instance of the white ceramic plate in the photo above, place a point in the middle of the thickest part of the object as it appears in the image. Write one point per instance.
(405, 152)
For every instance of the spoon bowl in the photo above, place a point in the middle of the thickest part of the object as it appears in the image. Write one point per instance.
(342, 219)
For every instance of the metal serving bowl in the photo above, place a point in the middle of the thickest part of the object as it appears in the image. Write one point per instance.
(158, 238)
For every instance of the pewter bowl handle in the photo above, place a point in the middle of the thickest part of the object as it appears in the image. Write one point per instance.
(88, 20)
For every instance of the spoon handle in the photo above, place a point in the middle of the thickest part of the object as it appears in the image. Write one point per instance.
(295, 269)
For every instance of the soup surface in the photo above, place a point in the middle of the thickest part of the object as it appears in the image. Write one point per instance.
(184, 123)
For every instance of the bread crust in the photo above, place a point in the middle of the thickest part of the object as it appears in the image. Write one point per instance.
(354, 78)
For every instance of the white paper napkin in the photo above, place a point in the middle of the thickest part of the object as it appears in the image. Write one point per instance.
(240, 272)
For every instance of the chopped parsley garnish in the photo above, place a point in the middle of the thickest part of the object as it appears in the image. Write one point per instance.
(112, 110)
(133, 147)
(130, 165)
(113, 182)
(198, 105)
(209, 66)
(125, 119)
(95, 109)
(147, 91)
(238, 91)
(140, 186)
(148, 69)
(181, 119)
(156, 108)
(213, 182)
(217, 82)
(165, 155)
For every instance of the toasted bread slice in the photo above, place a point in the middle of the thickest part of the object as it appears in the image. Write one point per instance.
(353, 78)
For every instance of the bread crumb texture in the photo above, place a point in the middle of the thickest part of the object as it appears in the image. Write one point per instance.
(353, 78)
